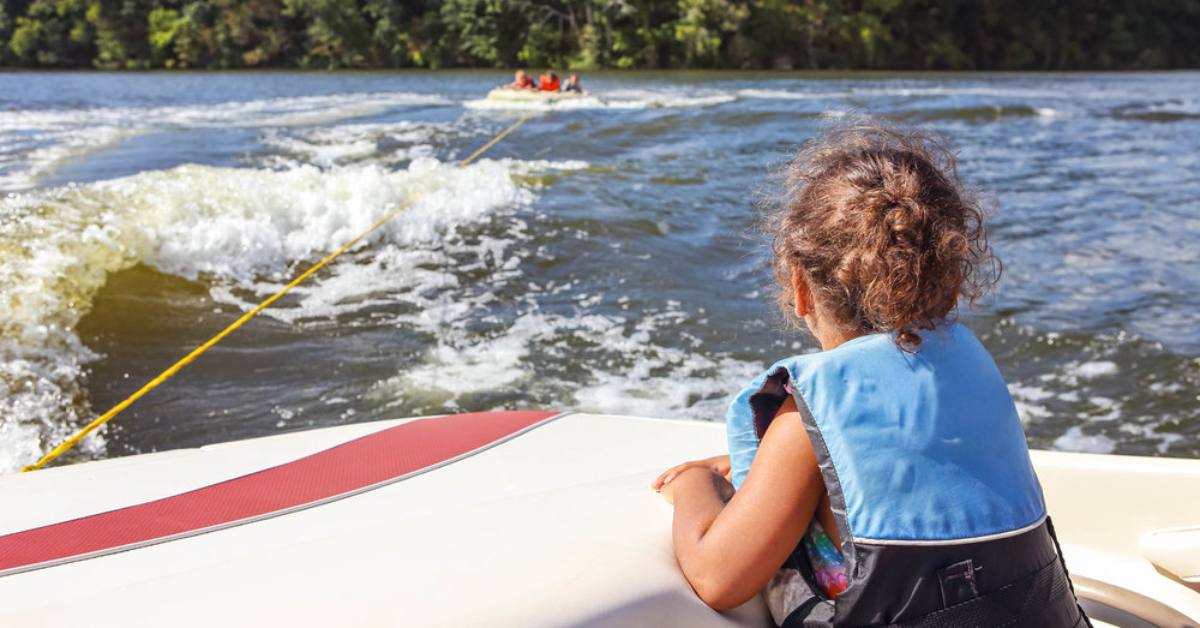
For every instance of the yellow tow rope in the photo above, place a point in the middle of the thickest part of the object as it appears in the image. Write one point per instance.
(198, 351)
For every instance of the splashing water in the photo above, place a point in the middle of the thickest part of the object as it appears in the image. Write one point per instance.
(598, 260)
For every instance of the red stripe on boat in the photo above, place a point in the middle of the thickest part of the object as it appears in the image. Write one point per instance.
(349, 468)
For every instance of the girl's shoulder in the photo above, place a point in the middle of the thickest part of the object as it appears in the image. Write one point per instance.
(951, 346)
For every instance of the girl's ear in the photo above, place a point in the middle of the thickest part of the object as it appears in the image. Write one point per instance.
(801, 295)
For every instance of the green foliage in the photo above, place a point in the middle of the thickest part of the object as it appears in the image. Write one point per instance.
(703, 25)
(541, 49)
(50, 34)
(588, 34)
(5, 33)
(486, 33)
(338, 33)
(394, 42)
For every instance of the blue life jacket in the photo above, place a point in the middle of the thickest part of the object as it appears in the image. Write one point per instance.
(927, 470)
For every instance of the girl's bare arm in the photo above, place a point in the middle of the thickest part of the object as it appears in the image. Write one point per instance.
(729, 545)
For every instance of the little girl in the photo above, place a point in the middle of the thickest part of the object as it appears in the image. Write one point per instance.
(884, 480)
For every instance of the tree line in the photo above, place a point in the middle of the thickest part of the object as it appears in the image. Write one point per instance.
(593, 34)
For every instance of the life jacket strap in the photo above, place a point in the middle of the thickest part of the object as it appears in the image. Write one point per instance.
(1058, 549)
(957, 583)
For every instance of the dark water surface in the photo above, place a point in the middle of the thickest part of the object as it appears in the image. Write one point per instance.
(597, 259)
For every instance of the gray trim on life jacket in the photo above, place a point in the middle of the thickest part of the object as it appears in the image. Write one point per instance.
(769, 398)
(990, 537)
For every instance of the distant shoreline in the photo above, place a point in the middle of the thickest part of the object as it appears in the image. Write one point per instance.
(824, 74)
(758, 35)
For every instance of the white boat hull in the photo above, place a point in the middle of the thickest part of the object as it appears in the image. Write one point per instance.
(557, 526)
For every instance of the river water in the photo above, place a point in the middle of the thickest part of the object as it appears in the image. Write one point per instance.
(598, 259)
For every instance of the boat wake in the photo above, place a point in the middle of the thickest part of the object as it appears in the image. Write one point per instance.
(34, 142)
(239, 230)
(479, 297)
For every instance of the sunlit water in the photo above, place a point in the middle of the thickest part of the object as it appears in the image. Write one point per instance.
(598, 259)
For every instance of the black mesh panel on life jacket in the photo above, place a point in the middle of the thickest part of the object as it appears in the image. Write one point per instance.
(1013, 581)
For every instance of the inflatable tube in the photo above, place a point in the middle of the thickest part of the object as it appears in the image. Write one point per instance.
(529, 95)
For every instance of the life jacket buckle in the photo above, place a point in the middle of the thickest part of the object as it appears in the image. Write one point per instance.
(958, 583)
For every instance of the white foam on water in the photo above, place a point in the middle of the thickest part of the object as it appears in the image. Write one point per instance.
(784, 94)
(1096, 368)
(628, 374)
(615, 99)
(1189, 107)
(452, 369)
(955, 90)
(337, 145)
(281, 111)
(1105, 409)
(38, 141)
(324, 154)
(1165, 440)
(1076, 440)
(26, 159)
(1030, 412)
(667, 98)
(238, 228)
(540, 165)
(648, 379)
(924, 91)
(1028, 401)
(837, 102)
(696, 386)
(420, 257)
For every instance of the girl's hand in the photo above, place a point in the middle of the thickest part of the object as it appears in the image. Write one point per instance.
(668, 493)
(717, 464)
(696, 478)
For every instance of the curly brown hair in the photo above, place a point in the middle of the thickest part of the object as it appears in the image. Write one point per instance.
(886, 234)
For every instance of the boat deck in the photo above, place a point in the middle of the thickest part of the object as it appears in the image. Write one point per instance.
(555, 526)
